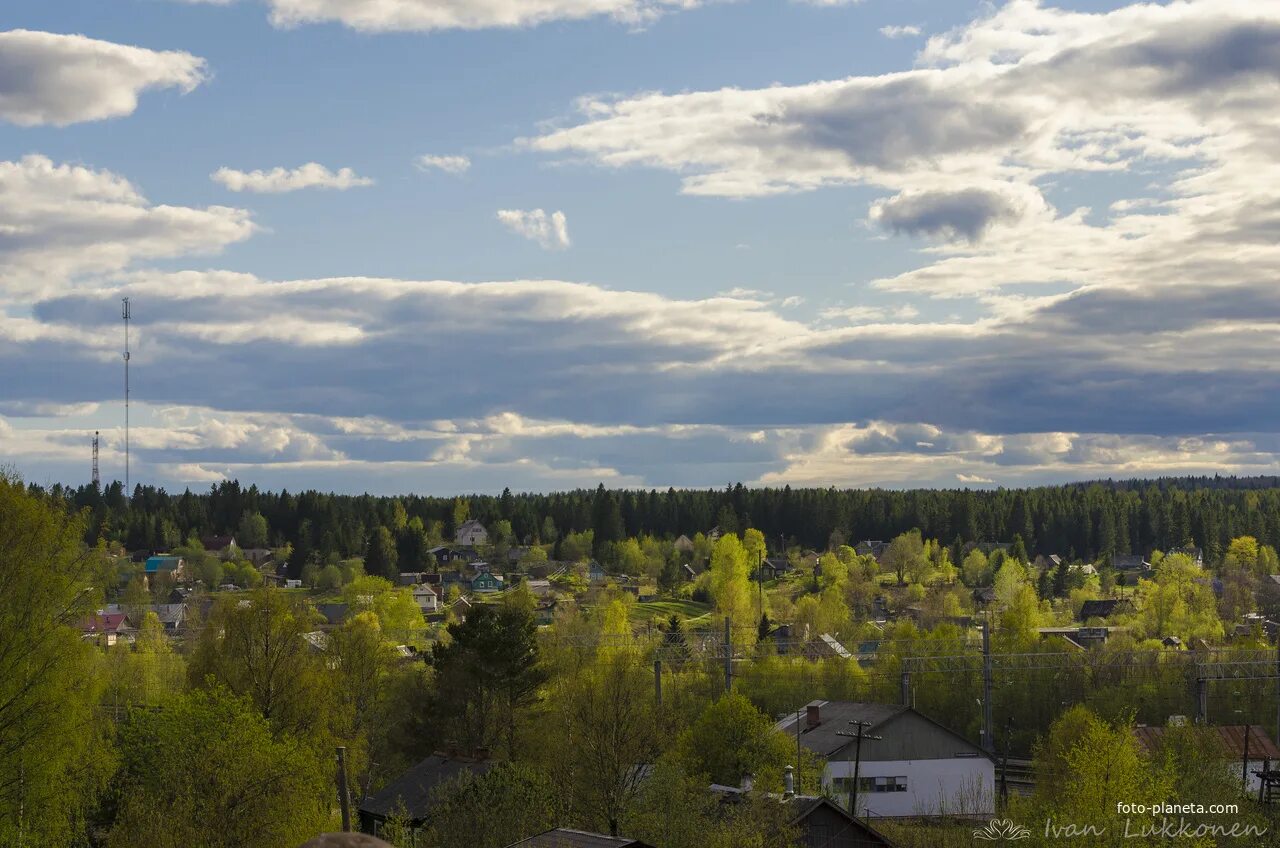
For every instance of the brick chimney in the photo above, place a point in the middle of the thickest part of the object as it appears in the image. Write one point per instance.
(813, 715)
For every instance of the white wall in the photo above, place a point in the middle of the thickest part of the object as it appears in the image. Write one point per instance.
(1255, 783)
(957, 785)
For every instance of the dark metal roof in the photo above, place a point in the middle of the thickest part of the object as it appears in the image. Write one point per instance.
(1231, 738)
(834, 719)
(333, 613)
(563, 837)
(1104, 608)
(410, 793)
(859, 833)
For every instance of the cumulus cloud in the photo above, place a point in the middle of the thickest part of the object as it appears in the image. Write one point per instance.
(551, 231)
(966, 213)
(995, 114)
(60, 220)
(900, 31)
(47, 78)
(281, 180)
(448, 164)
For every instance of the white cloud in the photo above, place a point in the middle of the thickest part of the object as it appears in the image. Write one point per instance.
(973, 478)
(448, 164)
(903, 31)
(57, 221)
(280, 180)
(551, 231)
(428, 15)
(995, 111)
(46, 78)
(870, 314)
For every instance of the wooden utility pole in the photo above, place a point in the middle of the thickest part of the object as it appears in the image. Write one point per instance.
(857, 760)
(657, 683)
(728, 656)
(988, 743)
(344, 800)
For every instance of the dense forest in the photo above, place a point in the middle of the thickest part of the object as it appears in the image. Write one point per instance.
(1085, 520)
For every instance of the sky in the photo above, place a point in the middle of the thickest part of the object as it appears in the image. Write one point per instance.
(445, 246)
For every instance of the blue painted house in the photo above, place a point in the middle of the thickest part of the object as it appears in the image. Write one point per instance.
(487, 582)
(168, 564)
(595, 573)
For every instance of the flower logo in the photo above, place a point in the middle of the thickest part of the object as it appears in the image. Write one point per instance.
(999, 830)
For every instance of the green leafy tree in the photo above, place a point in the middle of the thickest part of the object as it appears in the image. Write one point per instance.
(398, 614)
(504, 805)
(605, 713)
(206, 770)
(360, 660)
(975, 569)
(329, 579)
(629, 557)
(675, 810)
(731, 581)
(904, 554)
(732, 738)
(577, 547)
(145, 674)
(252, 530)
(52, 761)
(254, 647)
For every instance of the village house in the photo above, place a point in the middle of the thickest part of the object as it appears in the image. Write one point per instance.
(426, 598)
(175, 566)
(258, 557)
(871, 548)
(774, 567)
(815, 821)
(445, 554)
(1129, 567)
(1236, 746)
(172, 616)
(486, 582)
(825, 646)
(108, 628)
(334, 614)
(1105, 608)
(471, 533)
(225, 546)
(917, 767)
(1079, 638)
(545, 612)
(408, 797)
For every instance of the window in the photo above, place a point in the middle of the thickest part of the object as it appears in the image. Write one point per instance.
(882, 784)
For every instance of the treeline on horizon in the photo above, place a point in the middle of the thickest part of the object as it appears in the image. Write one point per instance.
(1078, 520)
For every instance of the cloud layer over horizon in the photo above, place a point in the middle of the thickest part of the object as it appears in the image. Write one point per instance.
(1030, 338)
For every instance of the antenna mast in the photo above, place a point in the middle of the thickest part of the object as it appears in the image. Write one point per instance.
(126, 314)
(96, 480)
